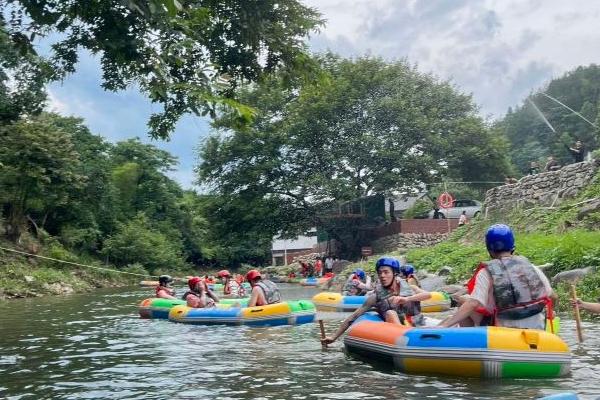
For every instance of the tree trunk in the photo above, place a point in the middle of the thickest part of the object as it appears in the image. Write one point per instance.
(392, 210)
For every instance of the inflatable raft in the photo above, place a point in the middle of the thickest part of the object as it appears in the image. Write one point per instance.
(156, 308)
(485, 352)
(148, 283)
(286, 313)
(313, 281)
(328, 301)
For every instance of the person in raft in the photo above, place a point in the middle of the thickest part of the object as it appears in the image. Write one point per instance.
(199, 295)
(408, 272)
(264, 291)
(394, 298)
(357, 284)
(163, 290)
(509, 288)
(230, 286)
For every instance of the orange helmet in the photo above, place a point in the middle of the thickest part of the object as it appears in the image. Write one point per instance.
(193, 281)
(223, 273)
(252, 275)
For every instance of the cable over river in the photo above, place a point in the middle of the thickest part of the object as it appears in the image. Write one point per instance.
(95, 346)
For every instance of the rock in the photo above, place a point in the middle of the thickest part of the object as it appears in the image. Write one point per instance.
(454, 289)
(29, 279)
(446, 270)
(588, 209)
(433, 283)
(572, 276)
(58, 288)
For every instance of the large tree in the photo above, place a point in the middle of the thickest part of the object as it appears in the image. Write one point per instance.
(187, 55)
(366, 128)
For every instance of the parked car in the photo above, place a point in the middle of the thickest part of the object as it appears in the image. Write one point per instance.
(472, 207)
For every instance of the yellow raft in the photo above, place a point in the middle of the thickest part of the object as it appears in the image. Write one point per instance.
(329, 301)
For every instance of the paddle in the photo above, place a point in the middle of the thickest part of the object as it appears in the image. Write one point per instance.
(323, 345)
(577, 316)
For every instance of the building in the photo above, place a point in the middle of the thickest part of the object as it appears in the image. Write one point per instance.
(283, 251)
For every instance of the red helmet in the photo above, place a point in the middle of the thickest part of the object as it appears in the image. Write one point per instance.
(192, 282)
(223, 273)
(252, 275)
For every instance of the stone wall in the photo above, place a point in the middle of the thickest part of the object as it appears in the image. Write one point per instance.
(403, 241)
(544, 189)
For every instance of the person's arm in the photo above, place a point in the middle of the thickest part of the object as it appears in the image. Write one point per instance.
(591, 307)
(463, 312)
(420, 295)
(369, 302)
(210, 293)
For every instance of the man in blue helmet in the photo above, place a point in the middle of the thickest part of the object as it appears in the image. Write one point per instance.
(394, 299)
(357, 284)
(508, 286)
(408, 272)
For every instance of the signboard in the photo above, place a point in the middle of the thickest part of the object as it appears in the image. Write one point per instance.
(366, 251)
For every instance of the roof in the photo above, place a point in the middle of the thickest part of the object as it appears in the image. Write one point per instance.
(404, 202)
(299, 243)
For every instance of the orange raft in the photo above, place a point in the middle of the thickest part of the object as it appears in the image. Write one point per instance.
(485, 352)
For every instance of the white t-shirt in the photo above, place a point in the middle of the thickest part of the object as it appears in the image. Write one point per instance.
(484, 294)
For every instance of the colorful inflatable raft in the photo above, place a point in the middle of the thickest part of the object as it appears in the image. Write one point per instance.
(328, 301)
(286, 313)
(155, 308)
(485, 352)
(313, 281)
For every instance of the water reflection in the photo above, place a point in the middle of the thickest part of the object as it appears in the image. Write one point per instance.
(95, 346)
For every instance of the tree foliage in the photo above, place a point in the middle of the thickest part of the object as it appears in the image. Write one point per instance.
(532, 140)
(366, 128)
(185, 55)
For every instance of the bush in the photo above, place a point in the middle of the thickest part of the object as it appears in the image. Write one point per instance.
(137, 242)
(418, 210)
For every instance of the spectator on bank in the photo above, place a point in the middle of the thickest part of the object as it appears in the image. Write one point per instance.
(534, 168)
(436, 209)
(328, 265)
(577, 151)
(551, 165)
(462, 220)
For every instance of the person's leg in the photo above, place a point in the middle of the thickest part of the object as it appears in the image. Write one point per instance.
(392, 317)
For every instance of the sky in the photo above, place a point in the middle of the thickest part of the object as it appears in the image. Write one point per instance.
(497, 50)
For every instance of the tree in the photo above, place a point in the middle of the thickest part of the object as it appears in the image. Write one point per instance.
(137, 242)
(186, 55)
(40, 170)
(23, 76)
(531, 139)
(367, 128)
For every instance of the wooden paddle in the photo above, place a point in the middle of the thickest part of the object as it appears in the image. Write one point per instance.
(323, 345)
(577, 316)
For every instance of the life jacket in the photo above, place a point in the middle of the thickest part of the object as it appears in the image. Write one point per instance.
(158, 288)
(471, 286)
(351, 287)
(518, 290)
(410, 311)
(227, 289)
(270, 290)
(208, 301)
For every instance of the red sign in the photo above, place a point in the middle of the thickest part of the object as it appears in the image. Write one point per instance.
(366, 251)
(445, 200)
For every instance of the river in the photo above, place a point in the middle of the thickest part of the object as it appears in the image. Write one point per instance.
(95, 346)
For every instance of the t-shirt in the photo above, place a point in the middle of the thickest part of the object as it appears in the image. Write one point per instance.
(484, 294)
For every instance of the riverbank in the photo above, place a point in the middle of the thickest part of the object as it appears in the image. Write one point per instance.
(564, 238)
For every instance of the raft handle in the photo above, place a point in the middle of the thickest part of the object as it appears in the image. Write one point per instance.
(431, 336)
(259, 310)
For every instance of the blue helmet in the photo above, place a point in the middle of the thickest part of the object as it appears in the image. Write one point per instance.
(407, 270)
(499, 237)
(360, 273)
(388, 262)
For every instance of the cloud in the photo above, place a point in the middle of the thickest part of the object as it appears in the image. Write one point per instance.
(499, 50)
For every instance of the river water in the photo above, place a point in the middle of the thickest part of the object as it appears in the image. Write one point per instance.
(95, 346)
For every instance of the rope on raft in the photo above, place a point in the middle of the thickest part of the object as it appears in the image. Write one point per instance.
(77, 264)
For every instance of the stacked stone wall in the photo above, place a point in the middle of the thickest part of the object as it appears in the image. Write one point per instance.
(405, 241)
(544, 189)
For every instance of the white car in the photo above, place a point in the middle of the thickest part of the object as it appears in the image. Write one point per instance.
(472, 207)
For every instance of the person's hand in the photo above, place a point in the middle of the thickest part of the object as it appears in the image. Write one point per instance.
(398, 300)
(576, 302)
(327, 340)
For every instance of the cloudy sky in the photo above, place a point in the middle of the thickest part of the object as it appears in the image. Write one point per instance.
(497, 50)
